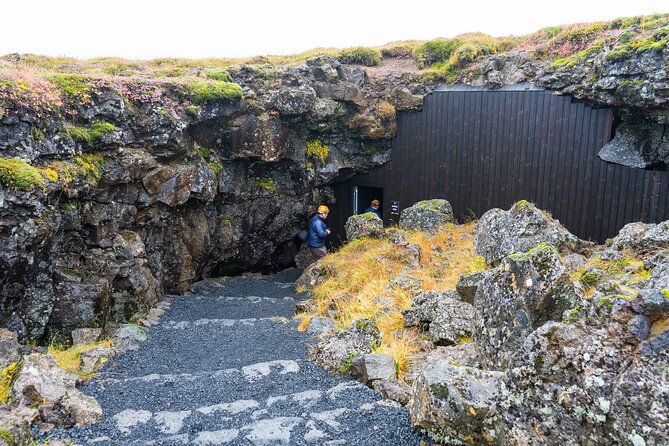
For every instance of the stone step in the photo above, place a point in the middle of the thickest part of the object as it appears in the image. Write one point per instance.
(211, 344)
(278, 385)
(247, 422)
(230, 307)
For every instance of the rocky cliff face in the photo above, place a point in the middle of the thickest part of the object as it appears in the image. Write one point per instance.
(128, 188)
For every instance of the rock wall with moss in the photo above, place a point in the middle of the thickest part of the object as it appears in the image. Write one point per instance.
(115, 190)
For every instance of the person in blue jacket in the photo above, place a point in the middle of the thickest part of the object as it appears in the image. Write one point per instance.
(317, 232)
(374, 207)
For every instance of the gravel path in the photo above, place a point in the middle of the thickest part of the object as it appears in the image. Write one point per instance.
(227, 367)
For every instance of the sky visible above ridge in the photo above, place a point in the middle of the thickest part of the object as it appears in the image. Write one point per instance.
(144, 29)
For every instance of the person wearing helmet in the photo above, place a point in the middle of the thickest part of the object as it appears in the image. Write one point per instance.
(317, 232)
(374, 207)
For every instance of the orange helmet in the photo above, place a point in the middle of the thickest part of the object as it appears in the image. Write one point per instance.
(322, 209)
(376, 202)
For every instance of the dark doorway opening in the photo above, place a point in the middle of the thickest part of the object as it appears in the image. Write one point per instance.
(363, 196)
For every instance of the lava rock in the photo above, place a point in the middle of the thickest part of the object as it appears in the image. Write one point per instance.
(393, 389)
(364, 225)
(427, 215)
(9, 348)
(372, 367)
(447, 317)
(516, 298)
(468, 284)
(128, 337)
(90, 361)
(86, 335)
(451, 402)
(499, 233)
(52, 390)
(642, 237)
(337, 349)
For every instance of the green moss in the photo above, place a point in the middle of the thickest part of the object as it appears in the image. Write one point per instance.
(665, 293)
(317, 150)
(224, 217)
(219, 75)
(577, 58)
(590, 277)
(215, 166)
(7, 437)
(267, 184)
(193, 111)
(204, 92)
(360, 55)
(18, 174)
(73, 85)
(89, 166)
(91, 135)
(444, 72)
(202, 151)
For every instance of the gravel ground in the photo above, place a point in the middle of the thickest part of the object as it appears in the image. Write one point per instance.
(228, 368)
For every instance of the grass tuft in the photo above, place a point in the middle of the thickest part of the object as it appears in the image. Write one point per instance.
(67, 358)
(358, 285)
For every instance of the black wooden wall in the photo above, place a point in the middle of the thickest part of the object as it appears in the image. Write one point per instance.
(482, 149)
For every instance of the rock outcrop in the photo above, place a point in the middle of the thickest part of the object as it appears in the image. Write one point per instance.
(443, 315)
(139, 188)
(499, 233)
(520, 295)
(427, 215)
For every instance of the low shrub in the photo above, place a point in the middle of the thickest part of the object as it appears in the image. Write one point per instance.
(18, 174)
(205, 92)
(219, 75)
(435, 51)
(360, 55)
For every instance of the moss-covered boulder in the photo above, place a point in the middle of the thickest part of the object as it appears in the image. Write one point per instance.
(520, 295)
(451, 401)
(364, 225)
(428, 215)
(598, 379)
(499, 233)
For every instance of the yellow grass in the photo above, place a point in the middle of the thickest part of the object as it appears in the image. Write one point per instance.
(67, 358)
(613, 269)
(358, 286)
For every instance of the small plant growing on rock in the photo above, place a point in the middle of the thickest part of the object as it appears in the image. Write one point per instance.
(18, 174)
(317, 150)
(89, 136)
(67, 358)
(267, 184)
(7, 378)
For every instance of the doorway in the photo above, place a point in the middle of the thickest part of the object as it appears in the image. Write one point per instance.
(363, 196)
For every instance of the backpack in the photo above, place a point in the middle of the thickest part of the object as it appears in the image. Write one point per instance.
(303, 235)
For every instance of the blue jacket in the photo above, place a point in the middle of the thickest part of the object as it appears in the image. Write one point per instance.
(376, 211)
(317, 232)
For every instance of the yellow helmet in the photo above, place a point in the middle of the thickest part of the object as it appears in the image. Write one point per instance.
(322, 209)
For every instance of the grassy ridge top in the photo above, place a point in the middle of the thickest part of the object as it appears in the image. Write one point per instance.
(552, 43)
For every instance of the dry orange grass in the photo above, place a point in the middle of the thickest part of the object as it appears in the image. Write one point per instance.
(359, 287)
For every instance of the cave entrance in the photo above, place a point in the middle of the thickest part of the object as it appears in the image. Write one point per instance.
(363, 196)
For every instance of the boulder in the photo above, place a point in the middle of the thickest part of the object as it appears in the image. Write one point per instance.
(320, 325)
(404, 282)
(364, 225)
(128, 337)
(9, 348)
(460, 355)
(517, 297)
(372, 367)
(642, 237)
(293, 100)
(597, 379)
(393, 389)
(447, 318)
(427, 215)
(659, 267)
(468, 284)
(52, 390)
(312, 276)
(304, 257)
(451, 402)
(499, 233)
(15, 425)
(90, 361)
(337, 350)
(638, 145)
(86, 335)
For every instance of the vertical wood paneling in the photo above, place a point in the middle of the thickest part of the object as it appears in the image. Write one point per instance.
(485, 149)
